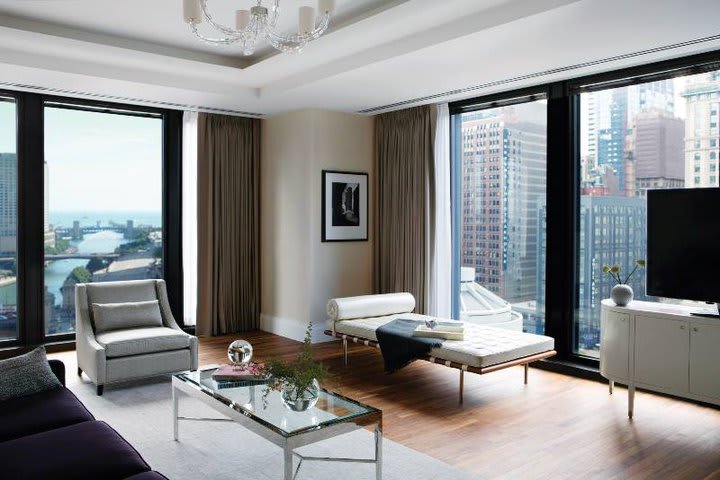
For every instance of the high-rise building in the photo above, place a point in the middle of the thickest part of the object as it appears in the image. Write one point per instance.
(49, 233)
(702, 95)
(504, 171)
(8, 203)
(657, 151)
(610, 115)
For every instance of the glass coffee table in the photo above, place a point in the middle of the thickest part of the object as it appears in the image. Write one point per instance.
(333, 415)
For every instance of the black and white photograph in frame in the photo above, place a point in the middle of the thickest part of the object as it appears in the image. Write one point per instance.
(344, 206)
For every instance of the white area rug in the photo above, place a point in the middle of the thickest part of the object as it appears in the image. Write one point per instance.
(142, 413)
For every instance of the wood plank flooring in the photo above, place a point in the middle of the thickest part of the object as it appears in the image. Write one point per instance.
(557, 426)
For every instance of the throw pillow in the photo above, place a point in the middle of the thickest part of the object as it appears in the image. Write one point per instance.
(26, 375)
(120, 316)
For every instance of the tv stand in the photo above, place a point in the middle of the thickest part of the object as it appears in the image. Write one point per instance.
(660, 347)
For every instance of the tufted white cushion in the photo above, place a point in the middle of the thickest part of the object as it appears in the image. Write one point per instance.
(370, 306)
(482, 347)
(119, 316)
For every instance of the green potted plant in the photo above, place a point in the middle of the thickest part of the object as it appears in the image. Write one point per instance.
(298, 380)
(622, 293)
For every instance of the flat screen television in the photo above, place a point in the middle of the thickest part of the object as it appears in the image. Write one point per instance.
(683, 244)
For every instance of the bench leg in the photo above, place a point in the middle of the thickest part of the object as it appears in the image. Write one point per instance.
(345, 350)
(462, 385)
(527, 367)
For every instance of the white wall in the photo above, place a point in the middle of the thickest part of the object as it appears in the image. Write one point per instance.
(299, 272)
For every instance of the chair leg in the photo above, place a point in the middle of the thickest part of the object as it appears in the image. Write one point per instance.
(79, 371)
(527, 367)
(100, 389)
(462, 385)
(345, 351)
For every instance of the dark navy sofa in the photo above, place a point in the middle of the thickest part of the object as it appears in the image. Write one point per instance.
(53, 435)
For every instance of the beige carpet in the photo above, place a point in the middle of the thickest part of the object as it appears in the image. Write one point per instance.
(142, 413)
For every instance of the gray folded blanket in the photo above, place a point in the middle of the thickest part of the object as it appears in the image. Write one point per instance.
(398, 345)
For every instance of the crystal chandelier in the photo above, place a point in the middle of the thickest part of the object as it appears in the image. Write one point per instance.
(260, 22)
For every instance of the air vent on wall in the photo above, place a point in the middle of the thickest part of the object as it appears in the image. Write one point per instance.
(553, 71)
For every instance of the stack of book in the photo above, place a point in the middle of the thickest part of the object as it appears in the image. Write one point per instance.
(231, 376)
(444, 330)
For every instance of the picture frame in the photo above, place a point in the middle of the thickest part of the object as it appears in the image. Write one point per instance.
(344, 206)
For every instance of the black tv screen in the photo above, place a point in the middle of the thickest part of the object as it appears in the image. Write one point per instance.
(683, 250)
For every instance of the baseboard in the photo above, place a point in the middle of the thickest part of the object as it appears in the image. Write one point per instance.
(292, 328)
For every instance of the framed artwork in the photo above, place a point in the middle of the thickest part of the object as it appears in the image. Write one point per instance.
(344, 206)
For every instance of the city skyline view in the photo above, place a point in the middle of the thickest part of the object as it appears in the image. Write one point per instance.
(102, 202)
(660, 134)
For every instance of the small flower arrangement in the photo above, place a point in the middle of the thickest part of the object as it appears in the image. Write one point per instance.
(615, 271)
(301, 374)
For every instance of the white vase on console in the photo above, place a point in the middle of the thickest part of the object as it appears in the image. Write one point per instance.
(622, 294)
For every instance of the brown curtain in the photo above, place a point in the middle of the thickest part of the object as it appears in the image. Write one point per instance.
(404, 176)
(228, 224)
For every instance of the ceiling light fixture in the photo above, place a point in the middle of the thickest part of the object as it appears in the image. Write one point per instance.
(260, 22)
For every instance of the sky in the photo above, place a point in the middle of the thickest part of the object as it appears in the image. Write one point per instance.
(97, 162)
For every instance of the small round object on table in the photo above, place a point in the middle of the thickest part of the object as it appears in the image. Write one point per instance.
(240, 352)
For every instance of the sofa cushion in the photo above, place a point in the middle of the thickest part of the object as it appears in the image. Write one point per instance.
(26, 375)
(120, 316)
(40, 412)
(84, 451)
(137, 341)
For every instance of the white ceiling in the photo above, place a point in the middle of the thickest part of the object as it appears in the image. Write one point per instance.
(377, 53)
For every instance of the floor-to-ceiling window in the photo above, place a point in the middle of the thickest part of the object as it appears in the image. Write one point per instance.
(8, 219)
(103, 203)
(652, 135)
(550, 186)
(89, 192)
(500, 164)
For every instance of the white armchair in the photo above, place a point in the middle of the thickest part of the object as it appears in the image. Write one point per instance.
(112, 349)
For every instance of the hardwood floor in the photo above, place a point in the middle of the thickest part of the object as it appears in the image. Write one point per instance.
(554, 427)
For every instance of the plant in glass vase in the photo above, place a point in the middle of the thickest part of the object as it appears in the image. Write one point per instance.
(622, 293)
(298, 380)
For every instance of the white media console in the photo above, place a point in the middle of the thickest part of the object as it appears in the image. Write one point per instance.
(660, 347)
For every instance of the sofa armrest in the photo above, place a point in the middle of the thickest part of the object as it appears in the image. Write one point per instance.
(58, 368)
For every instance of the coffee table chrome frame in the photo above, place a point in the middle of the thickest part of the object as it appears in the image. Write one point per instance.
(288, 443)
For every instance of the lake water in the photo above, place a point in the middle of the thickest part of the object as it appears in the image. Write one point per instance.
(65, 219)
(57, 271)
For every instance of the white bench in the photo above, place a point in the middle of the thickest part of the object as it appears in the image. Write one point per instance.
(484, 349)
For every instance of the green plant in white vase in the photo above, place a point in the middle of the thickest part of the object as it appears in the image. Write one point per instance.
(298, 380)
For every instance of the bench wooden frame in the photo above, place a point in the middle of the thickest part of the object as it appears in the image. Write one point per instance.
(524, 361)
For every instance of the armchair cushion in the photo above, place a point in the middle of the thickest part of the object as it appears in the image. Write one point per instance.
(138, 341)
(121, 316)
(26, 375)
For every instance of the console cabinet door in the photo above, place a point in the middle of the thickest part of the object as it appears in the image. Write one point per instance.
(705, 360)
(662, 352)
(615, 345)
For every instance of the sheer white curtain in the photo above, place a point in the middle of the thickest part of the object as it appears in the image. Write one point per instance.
(440, 304)
(189, 216)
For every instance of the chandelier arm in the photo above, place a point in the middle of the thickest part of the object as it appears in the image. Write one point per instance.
(233, 32)
(275, 13)
(215, 41)
(298, 40)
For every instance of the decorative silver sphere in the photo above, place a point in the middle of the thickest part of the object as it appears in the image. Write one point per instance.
(240, 352)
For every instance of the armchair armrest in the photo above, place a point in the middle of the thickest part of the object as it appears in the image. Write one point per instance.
(90, 354)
